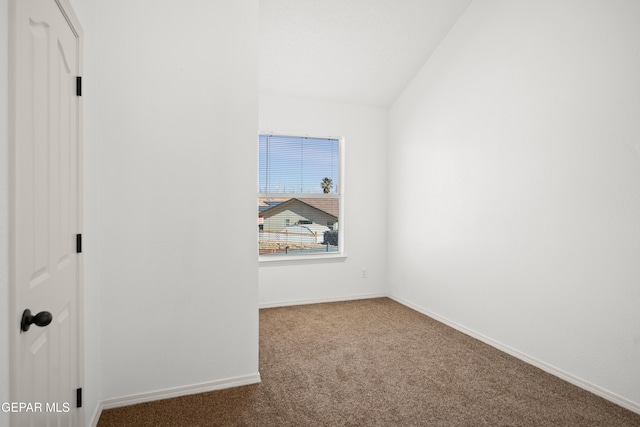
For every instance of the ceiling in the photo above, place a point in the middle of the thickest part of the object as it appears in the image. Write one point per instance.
(350, 51)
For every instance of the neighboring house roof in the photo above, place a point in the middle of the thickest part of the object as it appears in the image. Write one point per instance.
(329, 206)
(265, 204)
(326, 206)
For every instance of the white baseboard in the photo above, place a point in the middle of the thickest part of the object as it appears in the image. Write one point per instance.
(255, 378)
(579, 382)
(96, 415)
(321, 300)
(173, 392)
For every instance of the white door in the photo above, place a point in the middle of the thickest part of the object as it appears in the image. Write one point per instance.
(46, 215)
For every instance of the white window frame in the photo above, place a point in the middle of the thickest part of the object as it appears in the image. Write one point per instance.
(316, 256)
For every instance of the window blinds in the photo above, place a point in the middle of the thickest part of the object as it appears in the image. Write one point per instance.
(289, 164)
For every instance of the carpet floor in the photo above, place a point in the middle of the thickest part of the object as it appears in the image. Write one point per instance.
(377, 363)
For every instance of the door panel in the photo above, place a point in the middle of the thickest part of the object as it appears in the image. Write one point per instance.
(46, 214)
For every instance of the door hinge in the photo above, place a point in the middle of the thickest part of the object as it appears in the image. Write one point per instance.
(79, 397)
(79, 243)
(78, 86)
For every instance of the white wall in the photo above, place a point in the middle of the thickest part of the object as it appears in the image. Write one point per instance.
(177, 119)
(365, 133)
(4, 208)
(514, 192)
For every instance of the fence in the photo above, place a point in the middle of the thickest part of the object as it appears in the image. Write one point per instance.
(271, 242)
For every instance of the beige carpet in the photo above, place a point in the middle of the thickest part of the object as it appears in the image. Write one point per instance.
(377, 363)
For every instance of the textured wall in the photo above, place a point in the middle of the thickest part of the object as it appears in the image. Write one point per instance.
(177, 120)
(514, 191)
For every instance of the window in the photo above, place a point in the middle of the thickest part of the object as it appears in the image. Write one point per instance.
(299, 196)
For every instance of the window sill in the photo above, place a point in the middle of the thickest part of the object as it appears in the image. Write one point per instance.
(265, 261)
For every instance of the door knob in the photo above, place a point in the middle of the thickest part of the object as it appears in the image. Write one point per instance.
(41, 319)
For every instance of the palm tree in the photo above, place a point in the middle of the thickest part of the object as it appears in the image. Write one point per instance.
(326, 185)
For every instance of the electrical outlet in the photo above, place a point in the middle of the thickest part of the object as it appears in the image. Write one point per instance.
(364, 273)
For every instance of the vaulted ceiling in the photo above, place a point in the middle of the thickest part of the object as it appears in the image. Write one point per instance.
(350, 51)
